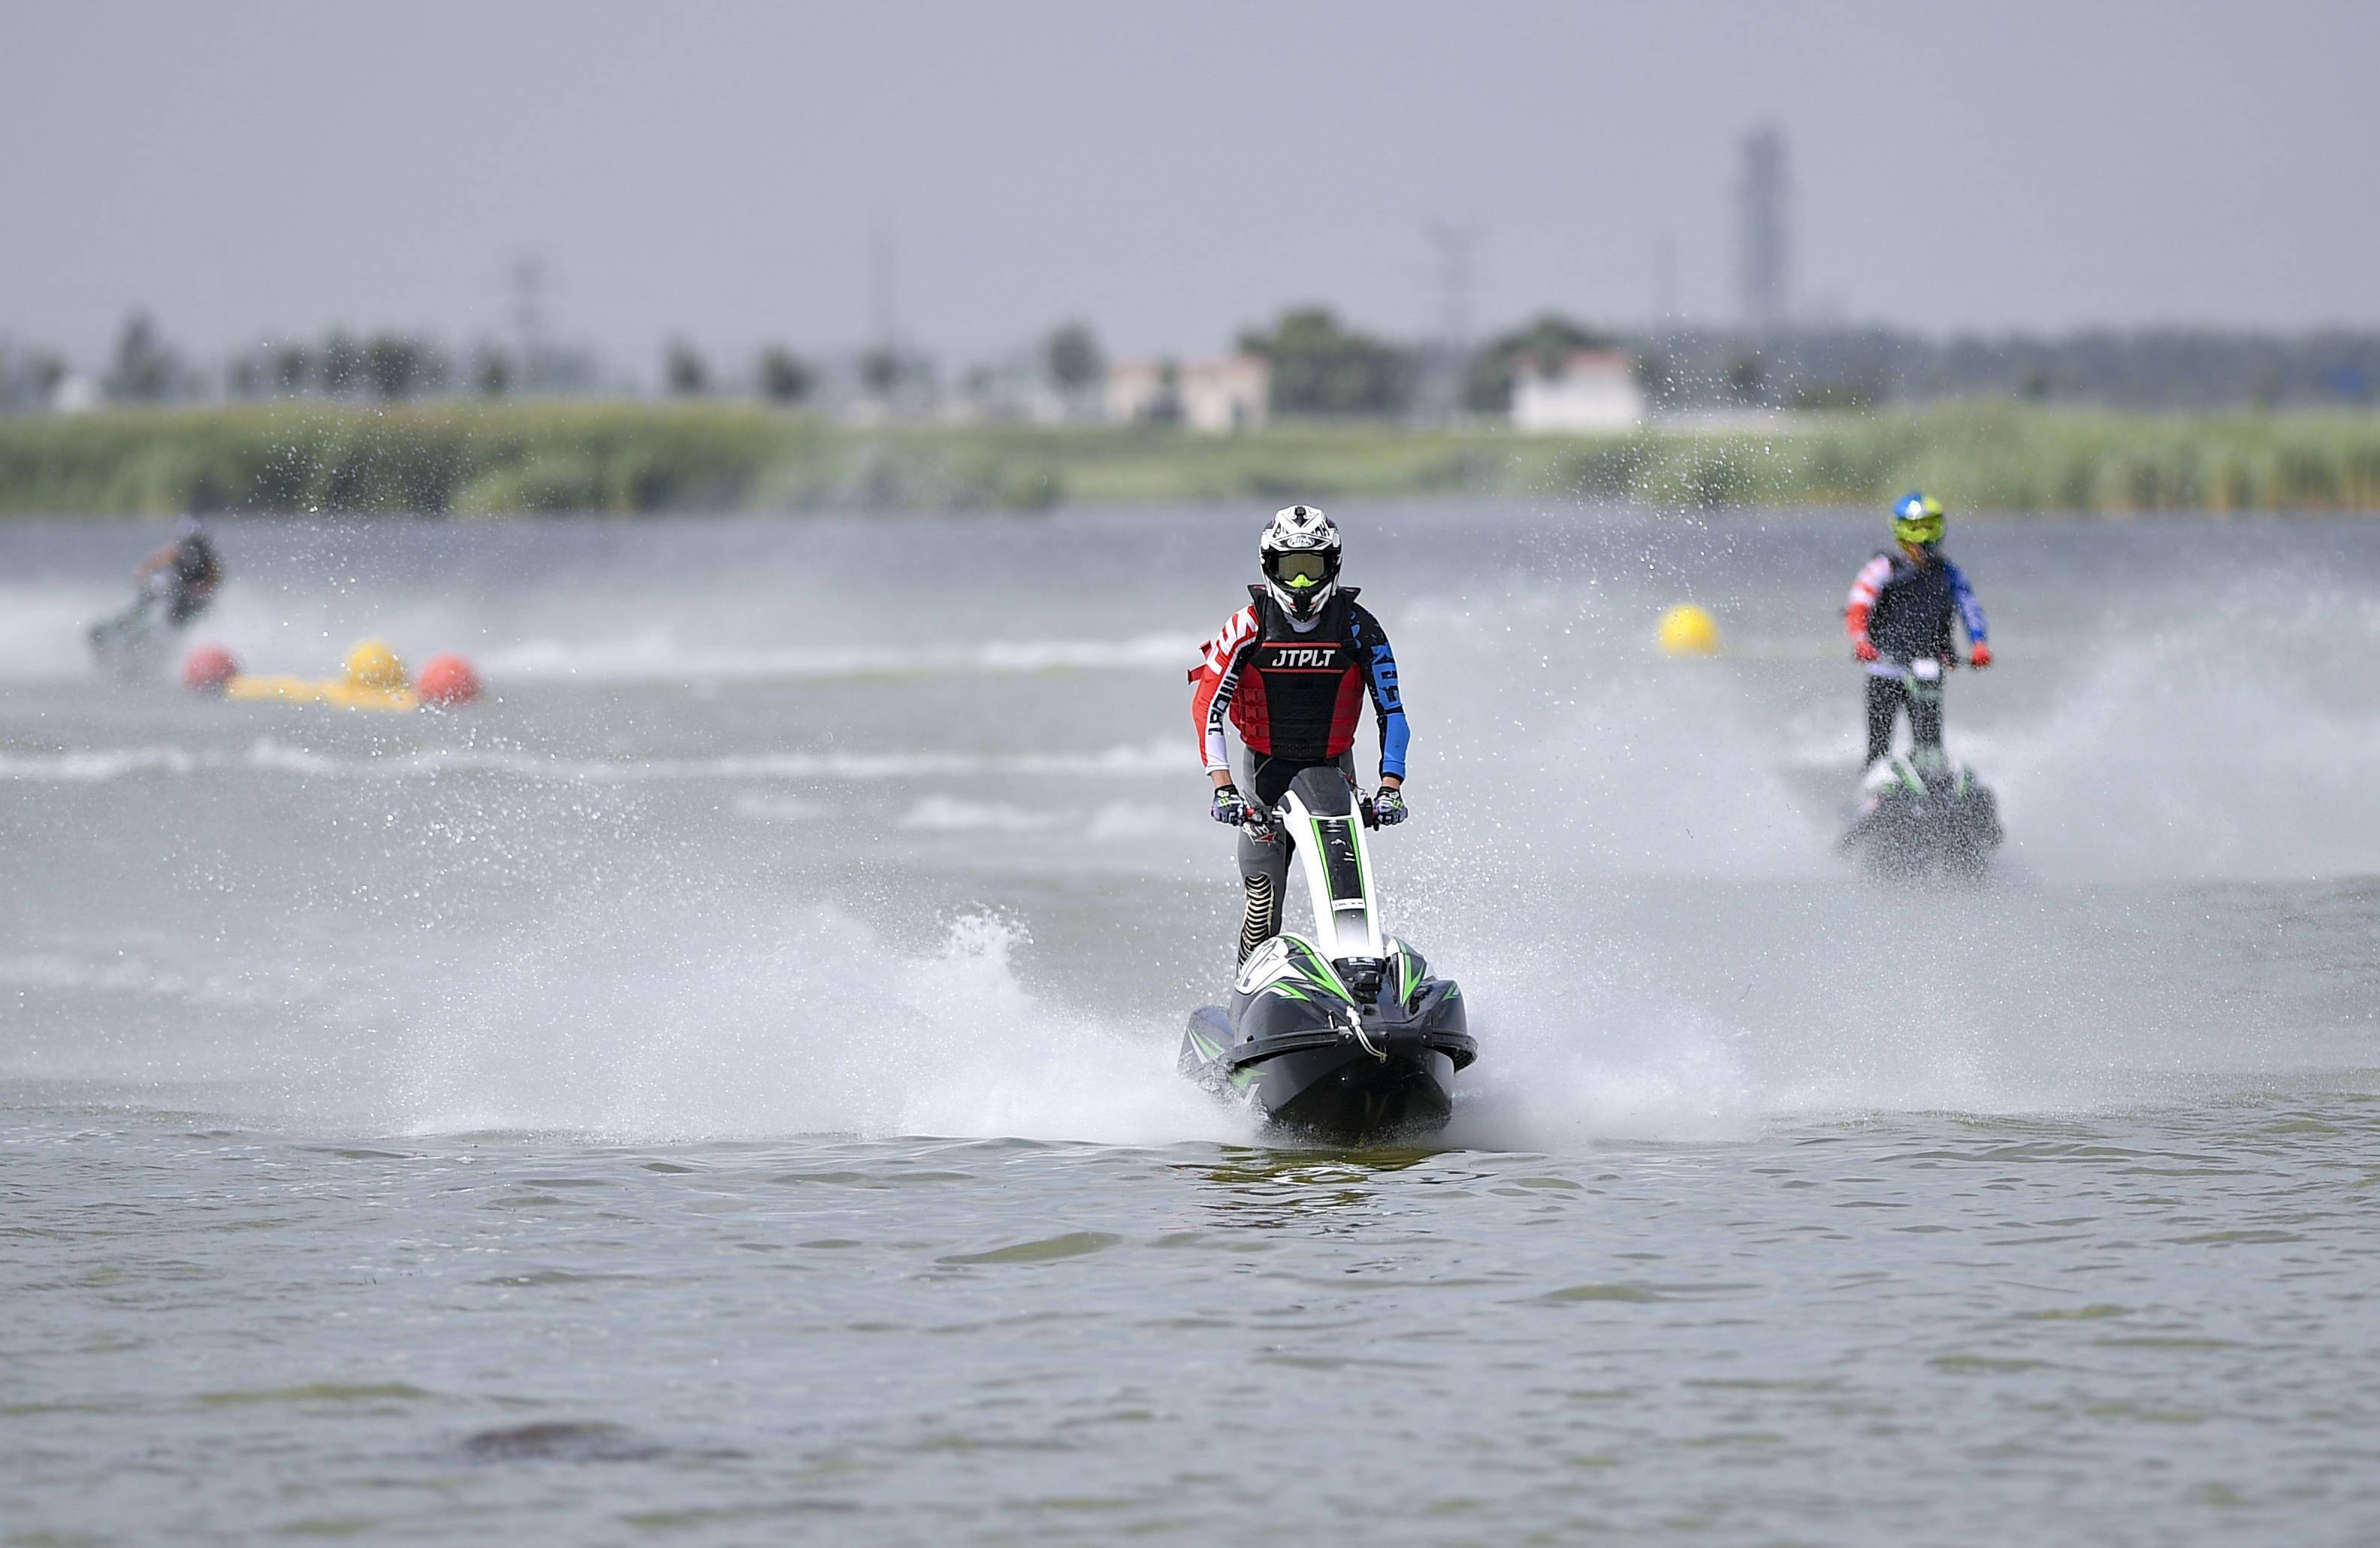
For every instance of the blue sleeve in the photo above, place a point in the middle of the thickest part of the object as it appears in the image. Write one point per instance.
(1388, 704)
(1970, 612)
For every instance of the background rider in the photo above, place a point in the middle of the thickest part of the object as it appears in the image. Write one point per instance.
(1898, 619)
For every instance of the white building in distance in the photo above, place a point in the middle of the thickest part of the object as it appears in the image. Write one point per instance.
(1215, 397)
(1590, 390)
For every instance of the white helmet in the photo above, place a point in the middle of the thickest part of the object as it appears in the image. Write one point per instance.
(1300, 554)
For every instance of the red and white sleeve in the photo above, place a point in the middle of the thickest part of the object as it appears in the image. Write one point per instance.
(1866, 587)
(1212, 682)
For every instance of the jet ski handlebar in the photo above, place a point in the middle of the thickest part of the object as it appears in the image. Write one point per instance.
(1262, 820)
(1265, 823)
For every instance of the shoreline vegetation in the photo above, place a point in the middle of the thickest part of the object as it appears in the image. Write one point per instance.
(630, 457)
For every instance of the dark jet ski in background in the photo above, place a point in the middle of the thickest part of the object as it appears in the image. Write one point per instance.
(1342, 1034)
(1924, 817)
(134, 645)
(173, 586)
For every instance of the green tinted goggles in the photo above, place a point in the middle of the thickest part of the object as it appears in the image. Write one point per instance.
(1301, 572)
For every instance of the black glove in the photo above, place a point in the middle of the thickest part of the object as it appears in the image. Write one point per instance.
(1231, 808)
(1389, 808)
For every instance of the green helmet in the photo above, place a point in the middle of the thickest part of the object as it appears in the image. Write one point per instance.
(1917, 519)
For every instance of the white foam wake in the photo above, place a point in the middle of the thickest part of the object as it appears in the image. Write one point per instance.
(827, 1029)
(269, 755)
(657, 656)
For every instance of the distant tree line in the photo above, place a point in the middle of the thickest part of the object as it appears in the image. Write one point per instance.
(390, 367)
(2147, 368)
(396, 367)
(1322, 367)
(778, 374)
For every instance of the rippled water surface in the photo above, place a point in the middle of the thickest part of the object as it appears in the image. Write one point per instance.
(720, 1089)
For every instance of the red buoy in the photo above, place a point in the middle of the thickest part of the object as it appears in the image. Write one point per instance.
(447, 681)
(207, 669)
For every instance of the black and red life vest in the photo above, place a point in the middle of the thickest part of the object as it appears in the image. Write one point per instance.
(1300, 692)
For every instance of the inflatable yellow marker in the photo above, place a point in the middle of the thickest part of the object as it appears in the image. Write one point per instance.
(1687, 630)
(374, 680)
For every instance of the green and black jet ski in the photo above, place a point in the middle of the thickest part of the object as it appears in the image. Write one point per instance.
(133, 645)
(1342, 1034)
(1924, 817)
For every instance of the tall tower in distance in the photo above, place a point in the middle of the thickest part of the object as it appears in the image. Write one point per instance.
(1761, 212)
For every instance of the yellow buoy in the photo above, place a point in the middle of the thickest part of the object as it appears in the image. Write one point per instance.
(373, 665)
(1687, 630)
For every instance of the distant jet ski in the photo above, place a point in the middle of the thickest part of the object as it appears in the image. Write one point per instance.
(1342, 1034)
(134, 645)
(173, 586)
(1922, 816)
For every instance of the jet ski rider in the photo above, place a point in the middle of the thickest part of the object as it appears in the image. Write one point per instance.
(180, 578)
(1898, 619)
(185, 573)
(1288, 673)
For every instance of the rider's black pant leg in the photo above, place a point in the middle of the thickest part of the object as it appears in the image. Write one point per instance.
(1885, 695)
(1926, 715)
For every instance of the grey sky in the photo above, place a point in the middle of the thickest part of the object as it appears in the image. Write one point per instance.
(1170, 172)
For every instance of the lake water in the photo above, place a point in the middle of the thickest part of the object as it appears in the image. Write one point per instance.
(720, 1089)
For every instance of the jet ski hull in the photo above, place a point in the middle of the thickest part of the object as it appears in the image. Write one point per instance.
(1348, 1070)
(1343, 1035)
(1347, 1096)
(132, 646)
(1927, 837)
